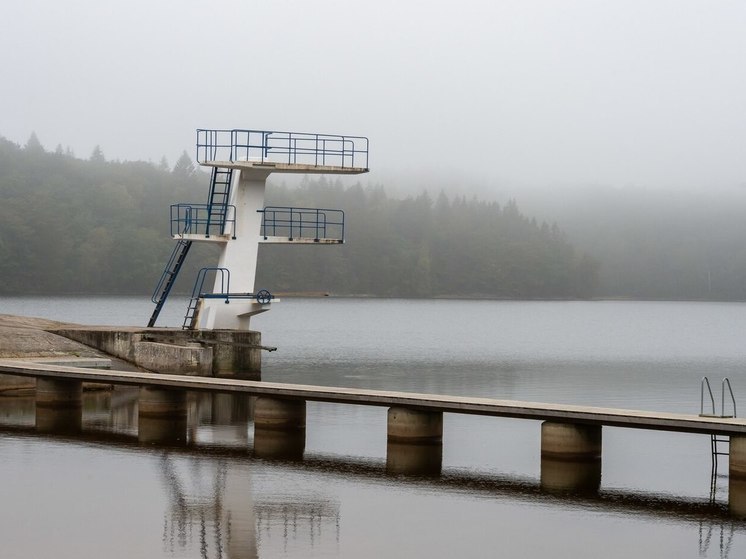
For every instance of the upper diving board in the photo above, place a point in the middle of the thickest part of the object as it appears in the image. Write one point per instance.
(285, 152)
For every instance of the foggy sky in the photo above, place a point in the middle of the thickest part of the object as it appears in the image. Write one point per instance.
(542, 92)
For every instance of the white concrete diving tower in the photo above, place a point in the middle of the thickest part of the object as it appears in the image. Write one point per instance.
(236, 218)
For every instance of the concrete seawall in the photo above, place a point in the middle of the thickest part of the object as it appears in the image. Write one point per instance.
(171, 350)
(222, 353)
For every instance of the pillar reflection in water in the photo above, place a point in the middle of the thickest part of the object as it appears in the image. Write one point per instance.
(573, 477)
(570, 458)
(414, 442)
(414, 459)
(59, 407)
(162, 416)
(17, 410)
(220, 419)
(279, 428)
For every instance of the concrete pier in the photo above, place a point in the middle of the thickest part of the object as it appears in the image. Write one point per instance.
(414, 441)
(162, 416)
(59, 405)
(570, 441)
(279, 428)
(570, 457)
(570, 434)
(411, 426)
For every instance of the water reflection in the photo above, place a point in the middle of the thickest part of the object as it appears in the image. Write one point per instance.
(210, 507)
(723, 532)
(582, 477)
(298, 524)
(414, 459)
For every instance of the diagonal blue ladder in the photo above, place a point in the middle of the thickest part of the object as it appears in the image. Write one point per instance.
(168, 278)
(217, 202)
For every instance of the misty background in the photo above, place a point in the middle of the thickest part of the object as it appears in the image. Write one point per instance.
(615, 131)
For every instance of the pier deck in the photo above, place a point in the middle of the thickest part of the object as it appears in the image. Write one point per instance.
(662, 421)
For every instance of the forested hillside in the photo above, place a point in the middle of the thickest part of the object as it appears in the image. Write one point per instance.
(69, 225)
(656, 243)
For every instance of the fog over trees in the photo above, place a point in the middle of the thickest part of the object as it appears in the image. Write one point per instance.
(69, 225)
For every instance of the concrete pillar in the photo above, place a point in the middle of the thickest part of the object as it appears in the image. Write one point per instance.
(59, 407)
(569, 441)
(410, 426)
(279, 428)
(235, 353)
(415, 441)
(570, 457)
(162, 416)
(737, 476)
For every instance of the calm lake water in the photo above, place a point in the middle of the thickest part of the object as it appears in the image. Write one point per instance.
(101, 494)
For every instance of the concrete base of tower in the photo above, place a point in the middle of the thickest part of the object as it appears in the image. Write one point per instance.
(176, 351)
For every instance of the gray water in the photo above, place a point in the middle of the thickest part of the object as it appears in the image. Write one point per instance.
(102, 494)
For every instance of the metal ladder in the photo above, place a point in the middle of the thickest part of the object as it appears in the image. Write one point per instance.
(160, 294)
(190, 318)
(217, 202)
(716, 442)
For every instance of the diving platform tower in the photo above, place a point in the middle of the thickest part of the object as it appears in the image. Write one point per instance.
(235, 217)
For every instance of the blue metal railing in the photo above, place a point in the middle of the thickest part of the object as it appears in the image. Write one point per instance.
(225, 282)
(194, 219)
(303, 223)
(296, 148)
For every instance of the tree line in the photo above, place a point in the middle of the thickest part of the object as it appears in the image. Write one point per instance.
(71, 225)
